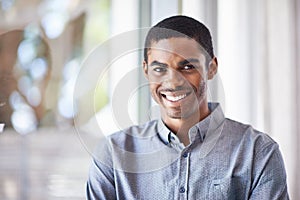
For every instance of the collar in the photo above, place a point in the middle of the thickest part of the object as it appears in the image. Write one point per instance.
(163, 131)
(203, 128)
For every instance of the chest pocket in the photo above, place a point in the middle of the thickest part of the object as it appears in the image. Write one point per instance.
(227, 188)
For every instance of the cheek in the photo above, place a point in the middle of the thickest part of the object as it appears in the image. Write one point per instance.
(198, 84)
(153, 87)
(194, 81)
(156, 80)
(153, 90)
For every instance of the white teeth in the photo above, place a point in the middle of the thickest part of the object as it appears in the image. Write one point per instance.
(175, 98)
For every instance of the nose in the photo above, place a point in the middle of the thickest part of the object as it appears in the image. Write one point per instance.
(174, 79)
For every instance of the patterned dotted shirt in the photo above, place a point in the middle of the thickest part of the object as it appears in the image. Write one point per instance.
(224, 160)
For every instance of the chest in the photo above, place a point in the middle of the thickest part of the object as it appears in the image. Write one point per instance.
(191, 175)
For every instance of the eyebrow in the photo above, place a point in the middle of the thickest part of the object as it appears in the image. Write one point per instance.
(187, 61)
(181, 63)
(156, 63)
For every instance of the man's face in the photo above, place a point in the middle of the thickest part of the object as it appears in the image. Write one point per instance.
(177, 76)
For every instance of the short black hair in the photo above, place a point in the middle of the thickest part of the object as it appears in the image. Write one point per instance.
(180, 26)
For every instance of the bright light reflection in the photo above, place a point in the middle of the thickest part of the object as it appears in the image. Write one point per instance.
(16, 100)
(1, 127)
(32, 31)
(34, 96)
(57, 5)
(66, 107)
(54, 24)
(71, 69)
(26, 52)
(24, 120)
(66, 102)
(24, 84)
(38, 68)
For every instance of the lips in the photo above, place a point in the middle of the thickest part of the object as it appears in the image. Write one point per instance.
(175, 96)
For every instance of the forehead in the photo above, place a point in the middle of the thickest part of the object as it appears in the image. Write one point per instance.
(182, 47)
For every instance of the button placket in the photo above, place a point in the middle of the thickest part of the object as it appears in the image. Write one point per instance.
(185, 154)
(184, 174)
(172, 138)
(181, 189)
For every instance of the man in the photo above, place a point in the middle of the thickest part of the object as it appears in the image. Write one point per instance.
(193, 151)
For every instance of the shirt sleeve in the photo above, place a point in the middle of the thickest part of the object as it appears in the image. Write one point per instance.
(100, 183)
(269, 175)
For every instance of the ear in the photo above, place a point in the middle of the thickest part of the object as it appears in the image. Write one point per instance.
(145, 69)
(212, 68)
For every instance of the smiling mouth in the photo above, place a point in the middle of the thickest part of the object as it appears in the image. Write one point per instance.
(174, 97)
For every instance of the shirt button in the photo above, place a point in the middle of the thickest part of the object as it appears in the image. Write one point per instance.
(182, 190)
(185, 154)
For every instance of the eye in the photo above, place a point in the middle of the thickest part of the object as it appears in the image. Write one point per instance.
(159, 69)
(188, 67)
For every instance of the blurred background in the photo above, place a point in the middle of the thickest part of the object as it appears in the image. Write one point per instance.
(55, 106)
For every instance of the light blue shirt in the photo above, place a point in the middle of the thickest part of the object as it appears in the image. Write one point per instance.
(225, 160)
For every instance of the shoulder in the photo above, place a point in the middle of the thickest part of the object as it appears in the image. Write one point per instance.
(137, 138)
(262, 158)
(248, 135)
(254, 146)
(134, 144)
(147, 129)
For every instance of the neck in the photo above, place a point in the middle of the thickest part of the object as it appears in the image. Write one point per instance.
(181, 126)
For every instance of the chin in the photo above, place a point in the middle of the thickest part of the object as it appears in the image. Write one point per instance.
(175, 115)
(179, 114)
